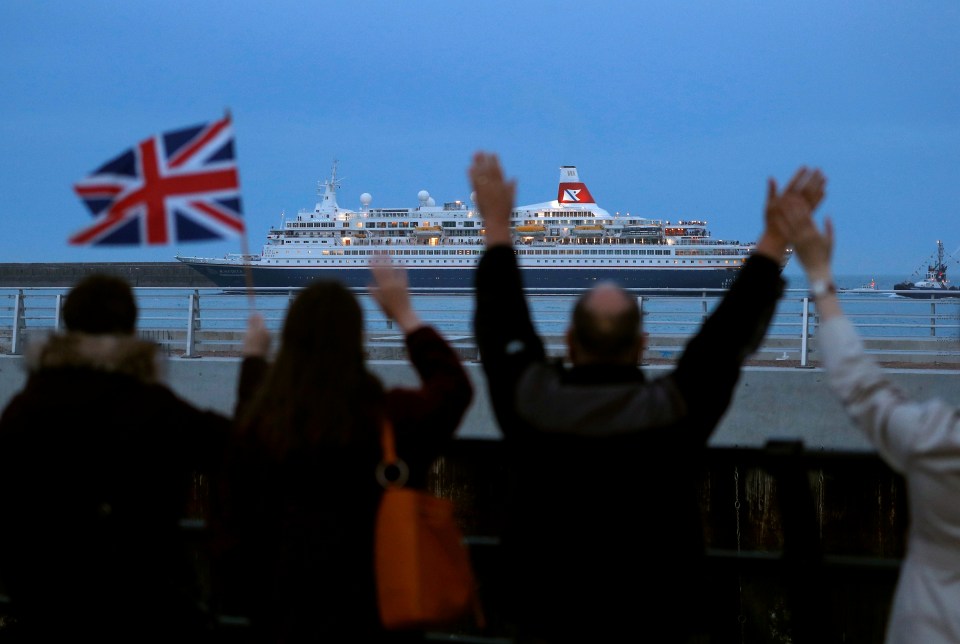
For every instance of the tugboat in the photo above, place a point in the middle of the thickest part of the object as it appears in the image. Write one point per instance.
(868, 287)
(934, 285)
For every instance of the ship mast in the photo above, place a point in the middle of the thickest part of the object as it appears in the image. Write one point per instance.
(940, 275)
(328, 199)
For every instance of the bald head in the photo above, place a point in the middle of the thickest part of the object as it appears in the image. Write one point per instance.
(606, 327)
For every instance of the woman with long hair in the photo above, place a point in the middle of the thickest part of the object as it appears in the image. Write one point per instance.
(300, 495)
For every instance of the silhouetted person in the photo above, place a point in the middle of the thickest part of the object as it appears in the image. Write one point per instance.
(301, 494)
(919, 439)
(603, 538)
(98, 459)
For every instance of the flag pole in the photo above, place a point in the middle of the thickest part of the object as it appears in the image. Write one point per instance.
(244, 248)
(247, 271)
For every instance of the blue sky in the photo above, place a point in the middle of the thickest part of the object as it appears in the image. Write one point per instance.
(668, 109)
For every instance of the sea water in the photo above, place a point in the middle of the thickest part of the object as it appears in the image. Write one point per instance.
(879, 313)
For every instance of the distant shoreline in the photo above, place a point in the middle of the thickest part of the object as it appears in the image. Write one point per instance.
(66, 274)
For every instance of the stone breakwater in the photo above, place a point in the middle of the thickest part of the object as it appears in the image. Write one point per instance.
(66, 274)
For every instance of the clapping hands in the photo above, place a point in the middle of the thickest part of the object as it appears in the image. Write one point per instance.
(801, 197)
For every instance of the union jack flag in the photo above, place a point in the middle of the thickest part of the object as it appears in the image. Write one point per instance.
(176, 186)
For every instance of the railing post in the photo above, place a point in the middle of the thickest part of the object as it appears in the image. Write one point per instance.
(933, 318)
(805, 333)
(646, 335)
(58, 313)
(19, 323)
(193, 324)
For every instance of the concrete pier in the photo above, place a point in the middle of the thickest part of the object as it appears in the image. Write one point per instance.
(769, 403)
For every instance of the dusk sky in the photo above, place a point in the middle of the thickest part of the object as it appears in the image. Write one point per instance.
(669, 110)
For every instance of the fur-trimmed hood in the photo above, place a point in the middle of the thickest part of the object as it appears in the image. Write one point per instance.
(121, 354)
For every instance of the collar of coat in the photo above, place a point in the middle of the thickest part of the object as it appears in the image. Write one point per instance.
(596, 400)
(120, 354)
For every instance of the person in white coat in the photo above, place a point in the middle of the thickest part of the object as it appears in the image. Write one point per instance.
(920, 439)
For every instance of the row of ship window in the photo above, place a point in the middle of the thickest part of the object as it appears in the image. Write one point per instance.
(381, 224)
(447, 224)
(474, 237)
(578, 252)
(547, 261)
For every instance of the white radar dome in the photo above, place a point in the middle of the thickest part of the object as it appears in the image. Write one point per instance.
(365, 199)
(473, 196)
(423, 195)
(431, 201)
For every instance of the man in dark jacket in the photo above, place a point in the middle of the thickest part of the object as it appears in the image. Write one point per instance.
(603, 538)
(98, 460)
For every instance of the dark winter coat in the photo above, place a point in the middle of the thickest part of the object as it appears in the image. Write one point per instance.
(604, 538)
(99, 463)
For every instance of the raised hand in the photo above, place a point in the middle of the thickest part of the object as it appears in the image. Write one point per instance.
(806, 189)
(256, 340)
(809, 184)
(494, 196)
(803, 194)
(391, 291)
(814, 248)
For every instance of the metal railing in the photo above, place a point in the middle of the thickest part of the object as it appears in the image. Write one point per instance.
(211, 321)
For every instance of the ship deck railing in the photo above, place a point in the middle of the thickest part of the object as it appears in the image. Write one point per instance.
(197, 322)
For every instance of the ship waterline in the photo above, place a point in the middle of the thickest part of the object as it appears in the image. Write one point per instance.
(548, 279)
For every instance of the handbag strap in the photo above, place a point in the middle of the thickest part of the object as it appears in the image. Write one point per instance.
(390, 462)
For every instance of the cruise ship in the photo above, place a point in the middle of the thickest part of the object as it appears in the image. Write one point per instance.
(563, 246)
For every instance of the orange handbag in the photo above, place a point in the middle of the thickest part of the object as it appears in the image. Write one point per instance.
(423, 570)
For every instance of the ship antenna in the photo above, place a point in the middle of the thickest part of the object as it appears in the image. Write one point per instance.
(330, 184)
(333, 175)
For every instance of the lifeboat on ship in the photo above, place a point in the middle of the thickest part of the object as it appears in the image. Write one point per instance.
(531, 230)
(588, 231)
(428, 231)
